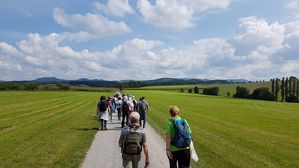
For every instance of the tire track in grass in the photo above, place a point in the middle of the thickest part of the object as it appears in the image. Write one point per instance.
(7, 124)
(39, 132)
(7, 111)
(40, 110)
(33, 97)
(244, 143)
(29, 120)
(49, 141)
(66, 144)
(227, 150)
(32, 106)
(231, 148)
(24, 120)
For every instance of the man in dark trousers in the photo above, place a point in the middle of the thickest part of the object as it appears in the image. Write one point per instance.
(142, 109)
(132, 141)
(125, 109)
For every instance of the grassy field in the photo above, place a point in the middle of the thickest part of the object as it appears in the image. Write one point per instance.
(223, 88)
(46, 129)
(55, 129)
(231, 132)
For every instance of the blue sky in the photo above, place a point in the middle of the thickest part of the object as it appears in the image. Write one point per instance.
(146, 39)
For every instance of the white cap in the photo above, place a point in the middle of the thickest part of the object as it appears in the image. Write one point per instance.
(134, 117)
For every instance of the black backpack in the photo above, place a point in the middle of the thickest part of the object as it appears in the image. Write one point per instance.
(132, 142)
(102, 105)
(125, 107)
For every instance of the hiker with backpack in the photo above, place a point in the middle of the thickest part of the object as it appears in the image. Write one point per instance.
(118, 107)
(178, 139)
(142, 110)
(134, 103)
(102, 111)
(110, 108)
(125, 110)
(132, 140)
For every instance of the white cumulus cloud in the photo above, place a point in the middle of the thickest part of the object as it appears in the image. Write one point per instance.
(115, 7)
(292, 5)
(272, 52)
(89, 26)
(177, 14)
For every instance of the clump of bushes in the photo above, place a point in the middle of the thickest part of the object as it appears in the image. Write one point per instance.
(9, 86)
(241, 92)
(211, 91)
(262, 94)
(292, 99)
(31, 86)
(259, 93)
(63, 86)
(196, 90)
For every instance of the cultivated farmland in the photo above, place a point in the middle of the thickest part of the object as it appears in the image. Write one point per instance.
(46, 129)
(55, 129)
(223, 88)
(231, 132)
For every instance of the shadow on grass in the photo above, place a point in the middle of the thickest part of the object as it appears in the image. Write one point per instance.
(85, 129)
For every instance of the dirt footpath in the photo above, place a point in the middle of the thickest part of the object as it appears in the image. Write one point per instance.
(105, 153)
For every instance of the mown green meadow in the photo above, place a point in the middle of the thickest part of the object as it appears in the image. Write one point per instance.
(55, 129)
(46, 129)
(223, 88)
(230, 132)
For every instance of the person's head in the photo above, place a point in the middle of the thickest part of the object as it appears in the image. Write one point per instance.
(134, 118)
(103, 98)
(174, 111)
(142, 97)
(125, 98)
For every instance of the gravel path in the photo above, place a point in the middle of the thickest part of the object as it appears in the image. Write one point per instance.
(105, 153)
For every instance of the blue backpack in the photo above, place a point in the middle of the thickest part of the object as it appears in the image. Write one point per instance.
(182, 136)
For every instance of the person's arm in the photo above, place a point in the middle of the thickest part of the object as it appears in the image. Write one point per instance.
(120, 142)
(145, 150)
(168, 139)
(98, 111)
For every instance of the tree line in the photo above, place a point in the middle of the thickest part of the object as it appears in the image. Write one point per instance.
(206, 91)
(31, 86)
(285, 89)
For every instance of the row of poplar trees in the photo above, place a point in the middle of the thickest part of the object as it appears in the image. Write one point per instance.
(288, 87)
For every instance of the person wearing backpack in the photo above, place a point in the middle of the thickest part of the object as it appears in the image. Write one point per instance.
(131, 141)
(178, 139)
(102, 111)
(142, 109)
(118, 107)
(110, 108)
(134, 103)
(125, 110)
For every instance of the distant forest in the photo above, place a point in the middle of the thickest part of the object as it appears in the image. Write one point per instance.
(15, 85)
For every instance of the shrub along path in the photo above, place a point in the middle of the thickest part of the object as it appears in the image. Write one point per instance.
(104, 151)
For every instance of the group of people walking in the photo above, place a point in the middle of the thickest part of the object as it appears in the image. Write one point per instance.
(123, 105)
(132, 140)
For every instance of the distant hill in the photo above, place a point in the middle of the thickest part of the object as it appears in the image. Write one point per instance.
(237, 80)
(155, 82)
(49, 80)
